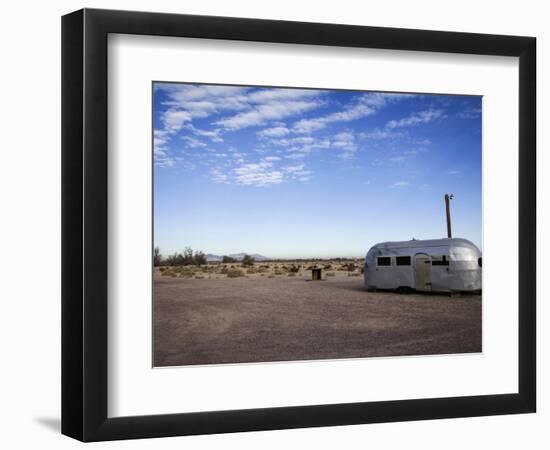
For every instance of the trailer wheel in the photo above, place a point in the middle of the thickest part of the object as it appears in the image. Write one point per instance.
(404, 290)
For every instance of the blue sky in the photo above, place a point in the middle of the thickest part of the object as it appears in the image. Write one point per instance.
(311, 173)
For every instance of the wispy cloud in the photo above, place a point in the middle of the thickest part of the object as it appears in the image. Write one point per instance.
(298, 172)
(203, 100)
(400, 184)
(268, 171)
(273, 132)
(173, 120)
(218, 176)
(214, 134)
(193, 142)
(263, 113)
(345, 141)
(416, 118)
(378, 134)
(470, 113)
(257, 174)
(365, 105)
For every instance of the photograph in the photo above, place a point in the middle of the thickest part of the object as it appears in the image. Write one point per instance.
(296, 224)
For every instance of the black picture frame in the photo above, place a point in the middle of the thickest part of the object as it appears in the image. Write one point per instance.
(84, 224)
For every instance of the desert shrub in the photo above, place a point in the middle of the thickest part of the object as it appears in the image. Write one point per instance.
(199, 277)
(354, 274)
(162, 269)
(157, 257)
(327, 266)
(247, 261)
(235, 273)
(350, 267)
(278, 272)
(271, 276)
(252, 270)
(227, 259)
(187, 258)
(186, 272)
(291, 274)
(294, 268)
(199, 259)
(330, 274)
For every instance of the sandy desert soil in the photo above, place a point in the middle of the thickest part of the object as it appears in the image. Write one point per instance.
(257, 318)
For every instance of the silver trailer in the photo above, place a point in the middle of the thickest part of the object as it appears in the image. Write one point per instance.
(439, 265)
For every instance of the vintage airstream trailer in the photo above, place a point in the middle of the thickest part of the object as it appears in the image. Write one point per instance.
(439, 265)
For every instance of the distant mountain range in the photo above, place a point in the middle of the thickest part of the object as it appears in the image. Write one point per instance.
(236, 257)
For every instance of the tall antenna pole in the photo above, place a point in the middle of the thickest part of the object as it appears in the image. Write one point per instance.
(448, 210)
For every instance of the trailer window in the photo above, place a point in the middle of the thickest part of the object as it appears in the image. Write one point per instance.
(440, 260)
(384, 261)
(479, 261)
(402, 260)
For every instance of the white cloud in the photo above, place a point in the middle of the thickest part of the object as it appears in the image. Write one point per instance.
(255, 106)
(258, 174)
(400, 184)
(204, 99)
(353, 113)
(193, 142)
(262, 113)
(218, 176)
(293, 141)
(470, 113)
(298, 172)
(295, 155)
(214, 135)
(416, 118)
(303, 145)
(344, 140)
(421, 141)
(173, 120)
(366, 105)
(296, 168)
(378, 134)
(270, 95)
(273, 132)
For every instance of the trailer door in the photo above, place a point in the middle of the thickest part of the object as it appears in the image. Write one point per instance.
(423, 272)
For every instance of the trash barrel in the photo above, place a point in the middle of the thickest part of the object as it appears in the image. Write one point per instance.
(316, 274)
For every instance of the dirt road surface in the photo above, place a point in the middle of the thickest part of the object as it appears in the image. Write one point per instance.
(216, 321)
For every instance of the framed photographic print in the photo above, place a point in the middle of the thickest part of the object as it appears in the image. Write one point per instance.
(267, 224)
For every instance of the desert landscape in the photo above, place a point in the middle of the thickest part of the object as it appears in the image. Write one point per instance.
(307, 182)
(219, 313)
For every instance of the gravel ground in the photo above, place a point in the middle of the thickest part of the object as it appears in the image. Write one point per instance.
(280, 319)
